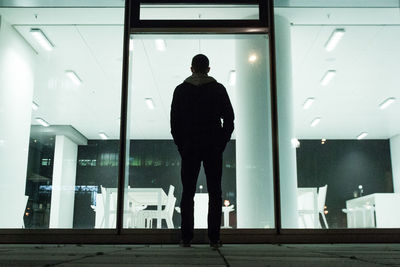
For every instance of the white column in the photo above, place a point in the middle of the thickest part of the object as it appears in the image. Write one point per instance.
(63, 185)
(254, 177)
(16, 90)
(395, 156)
(287, 154)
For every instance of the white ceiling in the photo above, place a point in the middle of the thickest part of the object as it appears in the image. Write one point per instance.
(89, 41)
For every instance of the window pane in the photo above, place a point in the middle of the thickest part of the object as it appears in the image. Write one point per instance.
(338, 90)
(158, 64)
(60, 80)
(195, 12)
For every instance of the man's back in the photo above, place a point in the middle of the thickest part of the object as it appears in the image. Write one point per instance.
(197, 108)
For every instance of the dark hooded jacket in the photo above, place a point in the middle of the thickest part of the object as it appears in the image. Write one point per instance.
(201, 113)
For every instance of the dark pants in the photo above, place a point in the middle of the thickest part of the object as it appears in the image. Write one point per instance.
(191, 162)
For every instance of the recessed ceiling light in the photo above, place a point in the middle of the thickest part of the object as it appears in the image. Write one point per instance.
(252, 58)
(73, 76)
(309, 101)
(103, 136)
(328, 76)
(232, 77)
(149, 103)
(334, 39)
(42, 39)
(42, 122)
(35, 106)
(315, 122)
(362, 135)
(387, 102)
(160, 44)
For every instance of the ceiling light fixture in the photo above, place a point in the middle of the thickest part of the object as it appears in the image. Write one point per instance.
(103, 136)
(42, 122)
(309, 101)
(315, 122)
(362, 135)
(252, 58)
(35, 106)
(130, 44)
(42, 39)
(387, 103)
(232, 77)
(149, 103)
(334, 39)
(160, 44)
(73, 76)
(328, 77)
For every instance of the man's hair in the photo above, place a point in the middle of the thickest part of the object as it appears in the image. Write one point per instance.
(200, 63)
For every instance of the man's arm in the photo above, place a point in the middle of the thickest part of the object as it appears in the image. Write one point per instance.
(175, 119)
(227, 116)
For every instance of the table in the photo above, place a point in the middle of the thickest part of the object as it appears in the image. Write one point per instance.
(378, 210)
(141, 196)
(307, 207)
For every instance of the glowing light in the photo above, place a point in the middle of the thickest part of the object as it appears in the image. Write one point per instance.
(315, 122)
(252, 58)
(42, 39)
(73, 76)
(334, 39)
(42, 122)
(328, 77)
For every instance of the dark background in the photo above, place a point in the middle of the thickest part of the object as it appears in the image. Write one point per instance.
(341, 164)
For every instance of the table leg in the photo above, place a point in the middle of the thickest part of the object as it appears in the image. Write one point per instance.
(159, 207)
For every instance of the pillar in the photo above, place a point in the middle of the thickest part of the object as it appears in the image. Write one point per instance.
(287, 153)
(395, 156)
(16, 92)
(63, 184)
(254, 176)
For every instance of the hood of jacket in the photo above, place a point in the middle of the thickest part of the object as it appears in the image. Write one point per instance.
(198, 79)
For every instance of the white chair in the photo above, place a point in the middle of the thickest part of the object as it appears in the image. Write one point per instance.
(146, 217)
(321, 203)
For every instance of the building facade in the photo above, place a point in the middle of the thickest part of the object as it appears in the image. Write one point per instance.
(86, 153)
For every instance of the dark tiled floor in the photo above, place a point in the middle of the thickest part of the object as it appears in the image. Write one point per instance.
(201, 255)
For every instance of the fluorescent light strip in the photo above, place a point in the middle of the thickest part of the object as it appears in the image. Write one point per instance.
(295, 142)
(42, 122)
(387, 102)
(149, 103)
(35, 106)
(362, 135)
(160, 45)
(130, 44)
(334, 39)
(232, 77)
(309, 101)
(73, 76)
(328, 77)
(103, 136)
(315, 122)
(42, 39)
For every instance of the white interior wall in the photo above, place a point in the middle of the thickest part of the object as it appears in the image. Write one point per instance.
(63, 186)
(17, 65)
(395, 157)
(254, 176)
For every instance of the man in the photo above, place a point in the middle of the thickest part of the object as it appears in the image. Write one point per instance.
(201, 125)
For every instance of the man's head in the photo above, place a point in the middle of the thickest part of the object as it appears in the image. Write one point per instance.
(200, 64)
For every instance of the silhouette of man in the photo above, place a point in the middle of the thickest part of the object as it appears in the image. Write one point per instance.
(201, 125)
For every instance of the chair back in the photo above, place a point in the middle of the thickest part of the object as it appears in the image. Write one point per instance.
(322, 197)
(170, 206)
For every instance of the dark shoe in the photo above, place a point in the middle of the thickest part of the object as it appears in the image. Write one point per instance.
(216, 245)
(184, 244)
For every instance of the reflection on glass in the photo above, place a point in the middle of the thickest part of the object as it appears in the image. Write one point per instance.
(154, 162)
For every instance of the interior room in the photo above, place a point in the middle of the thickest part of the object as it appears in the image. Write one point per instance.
(60, 86)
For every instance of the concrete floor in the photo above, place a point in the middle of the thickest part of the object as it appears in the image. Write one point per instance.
(201, 255)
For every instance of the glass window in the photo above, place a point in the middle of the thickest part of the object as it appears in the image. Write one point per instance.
(338, 108)
(60, 80)
(194, 12)
(158, 64)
